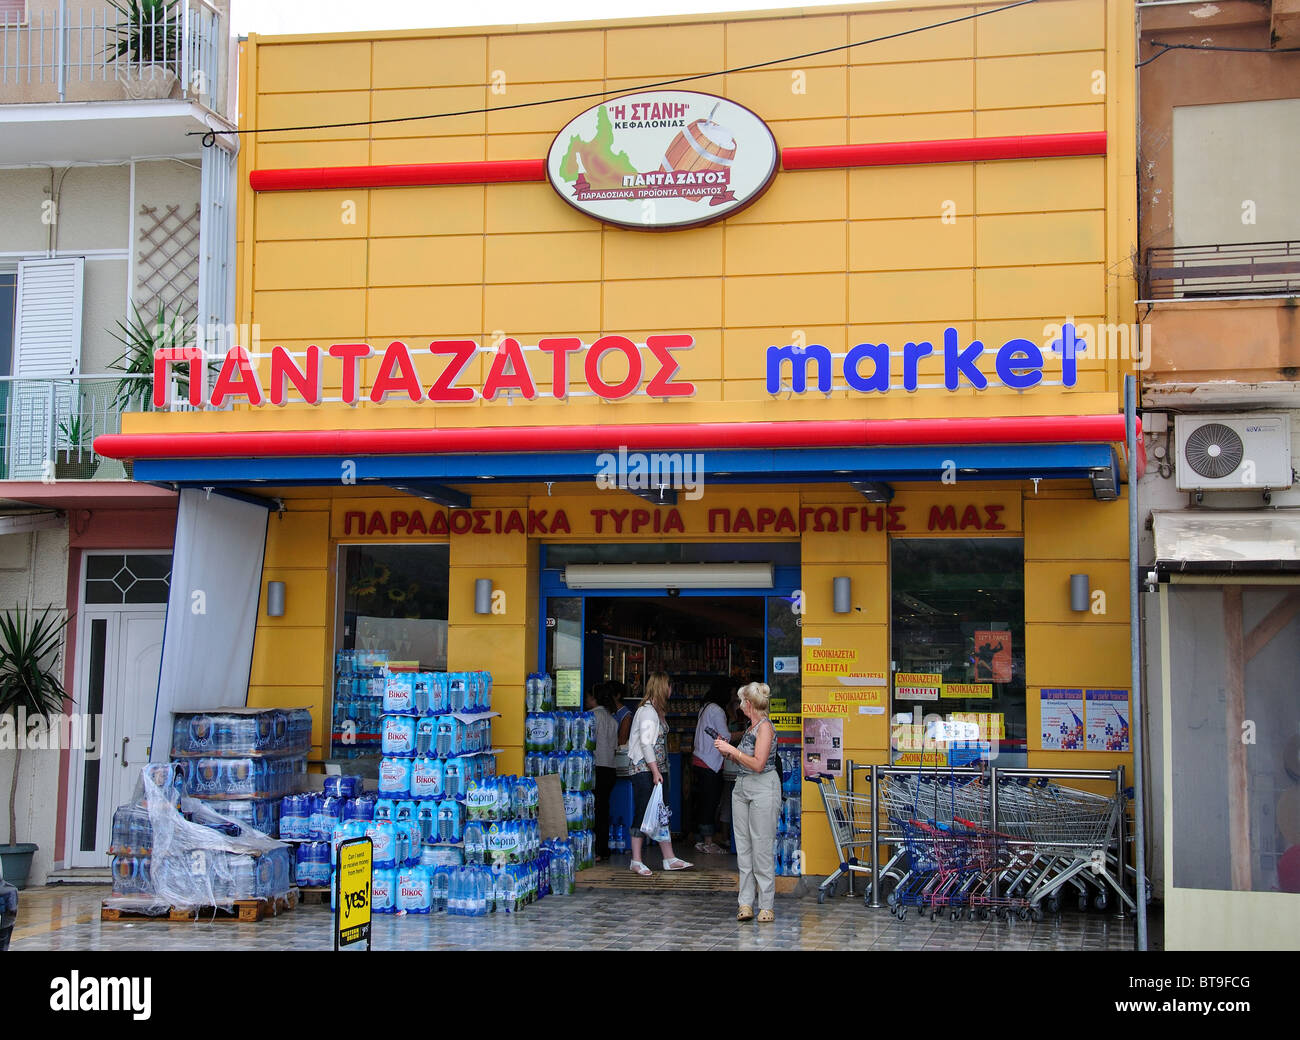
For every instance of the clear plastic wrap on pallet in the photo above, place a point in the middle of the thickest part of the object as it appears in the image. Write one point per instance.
(198, 857)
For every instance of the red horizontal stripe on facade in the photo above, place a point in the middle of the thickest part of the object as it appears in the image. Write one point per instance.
(973, 149)
(846, 433)
(320, 178)
(820, 157)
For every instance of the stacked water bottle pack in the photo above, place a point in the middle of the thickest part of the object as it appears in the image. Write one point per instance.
(785, 850)
(242, 760)
(472, 856)
(359, 680)
(561, 743)
(448, 833)
(436, 733)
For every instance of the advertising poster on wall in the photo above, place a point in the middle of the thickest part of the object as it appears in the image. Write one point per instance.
(992, 656)
(1108, 715)
(823, 746)
(1061, 717)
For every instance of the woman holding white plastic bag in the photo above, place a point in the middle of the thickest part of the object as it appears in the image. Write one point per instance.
(647, 749)
(755, 804)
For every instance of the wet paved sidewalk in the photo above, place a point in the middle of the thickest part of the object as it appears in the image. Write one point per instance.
(67, 918)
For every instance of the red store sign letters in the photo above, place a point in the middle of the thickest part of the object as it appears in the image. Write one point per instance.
(761, 520)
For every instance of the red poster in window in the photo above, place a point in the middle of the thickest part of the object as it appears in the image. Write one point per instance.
(992, 656)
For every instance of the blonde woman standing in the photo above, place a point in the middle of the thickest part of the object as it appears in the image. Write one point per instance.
(755, 804)
(647, 751)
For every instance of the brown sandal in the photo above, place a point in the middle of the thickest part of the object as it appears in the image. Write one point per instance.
(766, 916)
(745, 913)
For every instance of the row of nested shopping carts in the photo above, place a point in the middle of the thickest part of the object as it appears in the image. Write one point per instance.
(981, 842)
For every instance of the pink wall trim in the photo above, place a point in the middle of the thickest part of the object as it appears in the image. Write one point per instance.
(129, 530)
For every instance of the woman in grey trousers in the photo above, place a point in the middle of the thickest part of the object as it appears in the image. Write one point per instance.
(755, 804)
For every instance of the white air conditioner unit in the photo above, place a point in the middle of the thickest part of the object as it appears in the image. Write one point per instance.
(668, 575)
(1233, 452)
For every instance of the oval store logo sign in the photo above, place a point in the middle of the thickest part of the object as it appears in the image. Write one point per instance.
(663, 160)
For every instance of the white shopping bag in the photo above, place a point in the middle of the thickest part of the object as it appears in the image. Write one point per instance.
(652, 821)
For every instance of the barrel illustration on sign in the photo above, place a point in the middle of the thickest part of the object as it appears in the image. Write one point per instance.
(661, 160)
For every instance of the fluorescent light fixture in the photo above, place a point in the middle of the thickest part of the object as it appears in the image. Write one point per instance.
(668, 575)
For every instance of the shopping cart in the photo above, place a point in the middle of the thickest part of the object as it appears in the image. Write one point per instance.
(849, 813)
(1073, 835)
(1050, 839)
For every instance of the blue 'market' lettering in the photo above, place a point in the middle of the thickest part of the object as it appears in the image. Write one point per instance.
(957, 362)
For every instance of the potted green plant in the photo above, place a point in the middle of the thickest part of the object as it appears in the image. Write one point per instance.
(30, 687)
(146, 47)
(74, 442)
(142, 338)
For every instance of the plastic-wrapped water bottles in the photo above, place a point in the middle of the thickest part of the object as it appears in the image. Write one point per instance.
(382, 895)
(413, 894)
(440, 882)
(475, 842)
(453, 779)
(450, 820)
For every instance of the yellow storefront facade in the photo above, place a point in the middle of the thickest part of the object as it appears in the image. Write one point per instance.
(439, 231)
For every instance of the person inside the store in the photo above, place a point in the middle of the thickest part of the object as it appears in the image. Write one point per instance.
(623, 716)
(706, 765)
(755, 804)
(600, 702)
(647, 749)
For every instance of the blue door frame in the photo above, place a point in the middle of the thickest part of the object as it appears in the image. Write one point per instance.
(785, 581)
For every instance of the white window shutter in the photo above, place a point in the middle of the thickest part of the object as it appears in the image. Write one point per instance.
(47, 343)
(47, 360)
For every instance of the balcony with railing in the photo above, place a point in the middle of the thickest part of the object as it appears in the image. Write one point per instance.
(1221, 271)
(1222, 314)
(152, 60)
(48, 426)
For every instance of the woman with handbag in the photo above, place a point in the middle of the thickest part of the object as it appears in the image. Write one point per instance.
(647, 749)
(755, 804)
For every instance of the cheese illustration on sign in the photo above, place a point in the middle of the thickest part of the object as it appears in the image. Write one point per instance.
(662, 160)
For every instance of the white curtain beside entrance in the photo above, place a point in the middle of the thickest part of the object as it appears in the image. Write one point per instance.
(211, 609)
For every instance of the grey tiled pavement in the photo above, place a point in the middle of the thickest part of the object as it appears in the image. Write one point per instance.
(588, 920)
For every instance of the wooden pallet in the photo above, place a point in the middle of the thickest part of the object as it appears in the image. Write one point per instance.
(314, 896)
(244, 910)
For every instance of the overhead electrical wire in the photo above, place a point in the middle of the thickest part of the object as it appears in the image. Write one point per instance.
(209, 136)
(1165, 48)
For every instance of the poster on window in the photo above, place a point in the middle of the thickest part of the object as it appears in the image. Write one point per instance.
(992, 656)
(1108, 720)
(1061, 715)
(823, 746)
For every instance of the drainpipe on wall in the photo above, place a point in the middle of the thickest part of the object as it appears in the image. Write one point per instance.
(1135, 661)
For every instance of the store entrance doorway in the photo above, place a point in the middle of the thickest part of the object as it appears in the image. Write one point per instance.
(702, 638)
(703, 645)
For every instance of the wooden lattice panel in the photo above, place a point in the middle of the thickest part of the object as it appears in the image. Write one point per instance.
(167, 260)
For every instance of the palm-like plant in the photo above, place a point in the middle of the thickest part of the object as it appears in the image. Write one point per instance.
(73, 433)
(142, 339)
(150, 33)
(29, 678)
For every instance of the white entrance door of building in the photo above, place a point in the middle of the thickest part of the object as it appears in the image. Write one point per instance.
(119, 651)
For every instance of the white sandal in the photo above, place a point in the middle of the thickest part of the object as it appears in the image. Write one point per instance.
(637, 867)
(677, 864)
